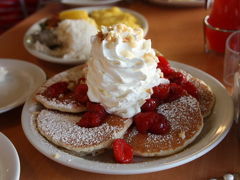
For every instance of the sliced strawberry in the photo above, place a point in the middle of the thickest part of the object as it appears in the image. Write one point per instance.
(96, 107)
(56, 89)
(160, 125)
(144, 120)
(83, 123)
(164, 65)
(81, 89)
(176, 77)
(191, 89)
(161, 91)
(80, 93)
(152, 122)
(149, 105)
(176, 91)
(90, 119)
(123, 152)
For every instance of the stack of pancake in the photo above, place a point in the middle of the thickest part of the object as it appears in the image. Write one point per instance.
(58, 117)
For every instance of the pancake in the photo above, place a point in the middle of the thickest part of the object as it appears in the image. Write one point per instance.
(61, 130)
(62, 104)
(185, 116)
(186, 122)
(206, 96)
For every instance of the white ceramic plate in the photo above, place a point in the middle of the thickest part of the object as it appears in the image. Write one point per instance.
(215, 129)
(185, 3)
(46, 57)
(9, 160)
(88, 2)
(21, 80)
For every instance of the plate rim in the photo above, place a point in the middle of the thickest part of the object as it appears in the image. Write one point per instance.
(48, 58)
(91, 2)
(143, 167)
(16, 62)
(13, 152)
(182, 3)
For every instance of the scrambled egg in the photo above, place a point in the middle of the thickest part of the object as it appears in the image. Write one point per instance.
(73, 14)
(76, 14)
(114, 15)
(105, 17)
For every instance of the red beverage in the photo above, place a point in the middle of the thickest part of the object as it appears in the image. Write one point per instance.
(225, 14)
(222, 21)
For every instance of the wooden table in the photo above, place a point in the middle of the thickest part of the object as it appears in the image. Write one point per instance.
(178, 34)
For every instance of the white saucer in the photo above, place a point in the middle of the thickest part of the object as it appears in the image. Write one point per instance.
(215, 129)
(9, 160)
(182, 3)
(21, 80)
(49, 58)
(88, 2)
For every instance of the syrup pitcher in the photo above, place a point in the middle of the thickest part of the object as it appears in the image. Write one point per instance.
(224, 19)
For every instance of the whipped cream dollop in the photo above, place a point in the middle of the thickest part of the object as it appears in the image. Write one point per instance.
(122, 70)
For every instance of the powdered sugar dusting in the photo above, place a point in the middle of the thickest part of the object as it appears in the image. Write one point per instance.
(62, 128)
(206, 99)
(72, 74)
(55, 103)
(63, 104)
(178, 112)
(206, 96)
(185, 118)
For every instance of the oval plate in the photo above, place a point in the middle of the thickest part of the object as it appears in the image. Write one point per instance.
(215, 129)
(46, 57)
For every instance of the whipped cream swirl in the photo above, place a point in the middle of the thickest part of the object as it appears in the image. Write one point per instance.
(122, 70)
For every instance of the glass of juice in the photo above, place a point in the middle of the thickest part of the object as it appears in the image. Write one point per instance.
(223, 20)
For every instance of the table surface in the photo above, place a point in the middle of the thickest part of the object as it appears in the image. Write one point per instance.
(178, 34)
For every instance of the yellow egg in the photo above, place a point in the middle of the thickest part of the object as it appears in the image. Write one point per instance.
(114, 15)
(73, 14)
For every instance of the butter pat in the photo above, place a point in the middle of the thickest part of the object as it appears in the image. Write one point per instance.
(3, 73)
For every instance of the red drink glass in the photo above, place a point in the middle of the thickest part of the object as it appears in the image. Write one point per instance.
(222, 21)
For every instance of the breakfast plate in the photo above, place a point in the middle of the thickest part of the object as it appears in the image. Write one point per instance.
(185, 3)
(21, 80)
(9, 160)
(28, 43)
(88, 2)
(215, 129)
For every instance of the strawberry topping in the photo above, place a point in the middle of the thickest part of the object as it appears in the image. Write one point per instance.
(176, 91)
(164, 65)
(191, 89)
(90, 120)
(80, 93)
(160, 125)
(94, 117)
(161, 91)
(144, 120)
(123, 152)
(151, 122)
(56, 89)
(149, 105)
(176, 77)
(97, 108)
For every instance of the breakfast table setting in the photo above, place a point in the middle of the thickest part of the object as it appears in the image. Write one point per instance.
(178, 32)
